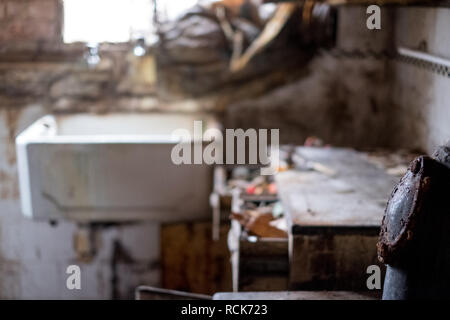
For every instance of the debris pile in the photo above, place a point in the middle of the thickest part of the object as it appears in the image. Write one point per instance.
(259, 212)
(220, 44)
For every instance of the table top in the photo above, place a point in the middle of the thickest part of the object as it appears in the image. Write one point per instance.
(342, 188)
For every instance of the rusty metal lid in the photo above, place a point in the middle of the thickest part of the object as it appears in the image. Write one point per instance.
(402, 210)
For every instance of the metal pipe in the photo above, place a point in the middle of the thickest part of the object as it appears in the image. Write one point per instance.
(414, 239)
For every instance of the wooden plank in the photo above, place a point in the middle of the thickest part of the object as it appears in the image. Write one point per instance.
(296, 295)
(354, 196)
(153, 293)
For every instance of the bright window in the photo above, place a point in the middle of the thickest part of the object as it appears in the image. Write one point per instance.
(117, 20)
(107, 20)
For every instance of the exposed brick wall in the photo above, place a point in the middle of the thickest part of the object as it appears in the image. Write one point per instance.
(30, 21)
(71, 86)
(36, 64)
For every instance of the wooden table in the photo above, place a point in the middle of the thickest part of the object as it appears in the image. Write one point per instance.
(333, 211)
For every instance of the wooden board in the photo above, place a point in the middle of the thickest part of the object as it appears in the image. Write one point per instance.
(295, 295)
(355, 196)
(153, 293)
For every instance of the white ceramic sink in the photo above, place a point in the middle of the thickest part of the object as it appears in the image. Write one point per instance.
(87, 167)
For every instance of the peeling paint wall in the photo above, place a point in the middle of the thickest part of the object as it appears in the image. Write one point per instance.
(34, 255)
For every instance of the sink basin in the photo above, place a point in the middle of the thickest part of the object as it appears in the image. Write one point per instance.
(114, 167)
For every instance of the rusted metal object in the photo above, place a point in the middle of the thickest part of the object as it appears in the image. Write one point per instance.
(415, 239)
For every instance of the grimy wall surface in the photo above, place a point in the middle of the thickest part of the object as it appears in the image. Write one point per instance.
(342, 97)
(420, 97)
(39, 75)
